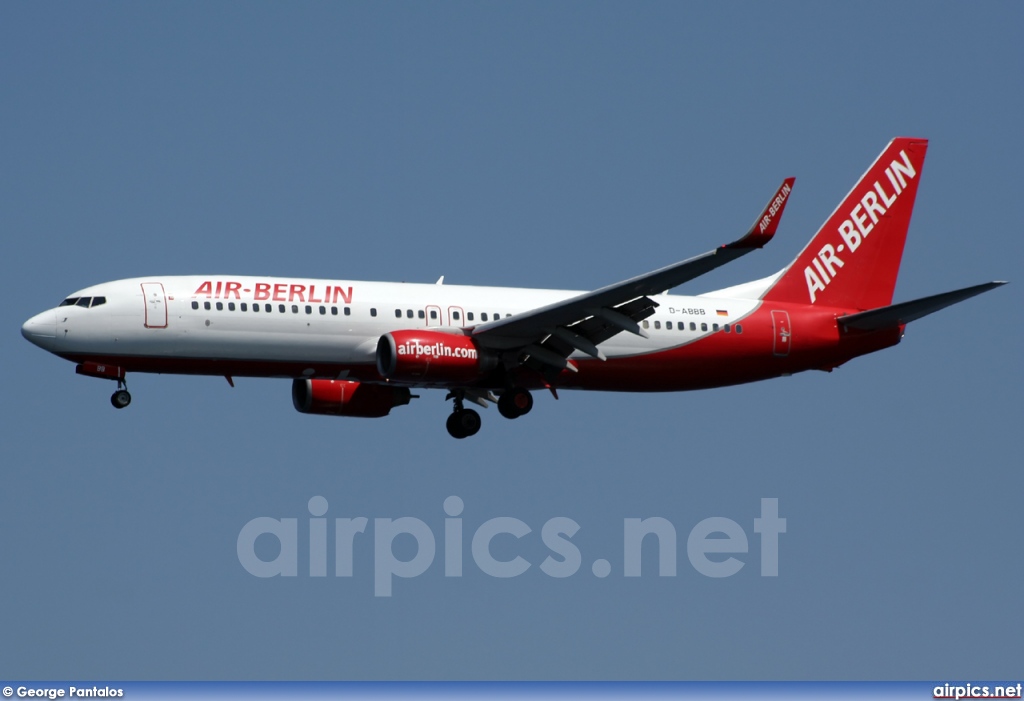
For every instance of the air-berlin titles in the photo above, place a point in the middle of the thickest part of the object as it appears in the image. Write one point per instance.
(775, 205)
(853, 230)
(434, 350)
(276, 292)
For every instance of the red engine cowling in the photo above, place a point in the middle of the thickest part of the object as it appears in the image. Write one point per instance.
(429, 357)
(347, 398)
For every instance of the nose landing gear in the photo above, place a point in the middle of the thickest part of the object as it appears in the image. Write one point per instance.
(120, 399)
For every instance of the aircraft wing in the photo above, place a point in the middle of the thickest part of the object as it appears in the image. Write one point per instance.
(550, 334)
(905, 312)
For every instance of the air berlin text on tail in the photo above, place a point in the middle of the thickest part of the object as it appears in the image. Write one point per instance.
(855, 228)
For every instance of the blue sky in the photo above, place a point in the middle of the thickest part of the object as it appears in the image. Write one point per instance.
(563, 145)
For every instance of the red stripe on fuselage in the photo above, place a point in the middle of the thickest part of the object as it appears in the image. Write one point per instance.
(715, 360)
(722, 359)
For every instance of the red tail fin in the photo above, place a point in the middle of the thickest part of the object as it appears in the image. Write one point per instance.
(854, 258)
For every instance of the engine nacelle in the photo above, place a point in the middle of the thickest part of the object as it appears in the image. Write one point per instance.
(347, 398)
(427, 357)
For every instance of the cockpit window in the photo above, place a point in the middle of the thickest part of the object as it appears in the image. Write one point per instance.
(83, 302)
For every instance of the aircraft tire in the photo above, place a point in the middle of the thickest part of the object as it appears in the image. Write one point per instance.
(463, 423)
(120, 399)
(515, 402)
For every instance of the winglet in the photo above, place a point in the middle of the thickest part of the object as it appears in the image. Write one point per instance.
(767, 223)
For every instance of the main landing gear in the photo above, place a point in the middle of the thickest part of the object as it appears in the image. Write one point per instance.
(120, 399)
(463, 422)
(515, 402)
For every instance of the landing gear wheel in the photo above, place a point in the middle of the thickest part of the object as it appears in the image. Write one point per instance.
(452, 424)
(463, 423)
(120, 399)
(515, 402)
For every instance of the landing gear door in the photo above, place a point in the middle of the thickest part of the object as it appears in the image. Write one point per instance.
(783, 332)
(156, 305)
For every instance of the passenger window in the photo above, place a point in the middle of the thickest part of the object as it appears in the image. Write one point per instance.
(231, 306)
(255, 307)
(433, 315)
(469, 316)
(348, 311)
(728, 329)
(657, 324)
(483, 316)
(739, 328)
(206, 306)
(280, 308)
(668, 325)
(84, 301)
(244, 307)
(268, 307)
(97, 301)
(455, 315)
(646, 324)
(398, 313)
(408, 313)
(195, 305)
(309, 309)
(323, 310)
(421, 314)
(704, 326)
(693, 326)
(373, 311)
(295, 309)
(220, 306)
(714, 327)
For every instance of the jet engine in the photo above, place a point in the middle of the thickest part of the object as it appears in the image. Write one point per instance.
(347, 398)
(425, 357)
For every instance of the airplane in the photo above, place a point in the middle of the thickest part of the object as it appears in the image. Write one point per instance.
(361, 348)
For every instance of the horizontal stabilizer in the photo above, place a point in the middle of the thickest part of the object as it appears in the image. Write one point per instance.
(905, 312)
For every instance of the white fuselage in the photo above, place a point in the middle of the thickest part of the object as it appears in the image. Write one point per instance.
(291, 322)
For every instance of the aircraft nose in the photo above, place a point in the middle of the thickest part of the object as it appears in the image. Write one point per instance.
(41, 329)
